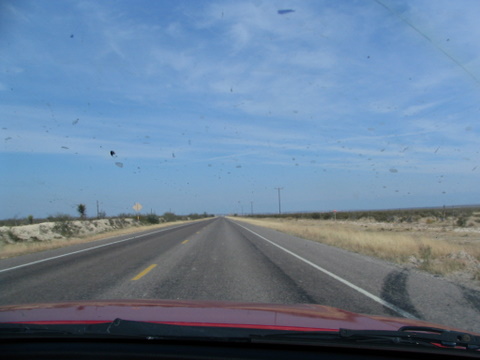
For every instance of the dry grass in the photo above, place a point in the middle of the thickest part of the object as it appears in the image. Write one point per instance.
(407, 246)
(22, 248)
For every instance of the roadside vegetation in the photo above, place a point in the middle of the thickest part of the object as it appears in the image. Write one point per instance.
(151, 218)
(461, 216)
(440, 241)
(21, 236)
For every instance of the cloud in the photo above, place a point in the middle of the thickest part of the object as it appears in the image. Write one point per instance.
(336, 87)
(415, 109)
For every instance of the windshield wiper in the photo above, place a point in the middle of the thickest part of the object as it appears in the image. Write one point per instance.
(419, 335)
(407, 335)
(120, 329)
(24, 330)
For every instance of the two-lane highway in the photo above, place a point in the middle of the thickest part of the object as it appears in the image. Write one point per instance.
(221, 259)
(87, 272)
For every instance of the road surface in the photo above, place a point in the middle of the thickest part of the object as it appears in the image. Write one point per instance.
(222, 259)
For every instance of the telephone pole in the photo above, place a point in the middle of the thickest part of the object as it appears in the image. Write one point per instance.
(279, 200)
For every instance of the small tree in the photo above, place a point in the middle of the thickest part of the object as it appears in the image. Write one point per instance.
(82, 210)
(169, 216)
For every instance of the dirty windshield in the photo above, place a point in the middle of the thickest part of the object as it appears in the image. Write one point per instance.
(281, 152)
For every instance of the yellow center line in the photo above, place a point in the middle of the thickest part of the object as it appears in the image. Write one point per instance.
(185, 241)
(144, 272)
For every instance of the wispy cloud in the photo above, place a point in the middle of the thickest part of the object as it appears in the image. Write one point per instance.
(326, 86)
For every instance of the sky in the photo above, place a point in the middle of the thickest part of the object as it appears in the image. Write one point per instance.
(210, 106)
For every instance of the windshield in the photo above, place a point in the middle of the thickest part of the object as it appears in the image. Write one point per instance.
(285, 152)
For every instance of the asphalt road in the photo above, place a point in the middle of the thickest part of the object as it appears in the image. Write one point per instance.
(221, 259)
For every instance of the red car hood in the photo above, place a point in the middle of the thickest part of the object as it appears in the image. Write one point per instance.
(204, 313)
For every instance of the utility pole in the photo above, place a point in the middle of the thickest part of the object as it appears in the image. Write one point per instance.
(279, 200)
(251, 207)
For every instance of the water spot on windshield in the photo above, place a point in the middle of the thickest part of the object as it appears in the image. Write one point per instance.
(285, 11)
(75, 122)
(393, 170)
(119, 164)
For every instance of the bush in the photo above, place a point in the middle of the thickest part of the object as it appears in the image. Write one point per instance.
(64, 225)
(59, 217)
(152, 219)
(326, 216)
(13, 237)
(169, 217)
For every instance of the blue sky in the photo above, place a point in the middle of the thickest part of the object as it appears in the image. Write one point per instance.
(210, 105)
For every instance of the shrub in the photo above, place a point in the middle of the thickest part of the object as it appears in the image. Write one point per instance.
(169, 217)
(13, 237)
(64, 226)
(326, 216)
(152, 219)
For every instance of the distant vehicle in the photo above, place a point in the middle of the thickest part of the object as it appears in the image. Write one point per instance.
(200, 329)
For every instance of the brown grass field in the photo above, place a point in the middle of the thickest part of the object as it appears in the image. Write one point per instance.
(424, 245)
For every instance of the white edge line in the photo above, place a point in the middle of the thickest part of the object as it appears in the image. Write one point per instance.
(88, 249)
(342, 280)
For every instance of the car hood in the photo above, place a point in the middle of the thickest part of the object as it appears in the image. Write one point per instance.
(204, 313)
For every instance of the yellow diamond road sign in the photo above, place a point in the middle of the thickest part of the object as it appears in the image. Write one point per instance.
(137, 207)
